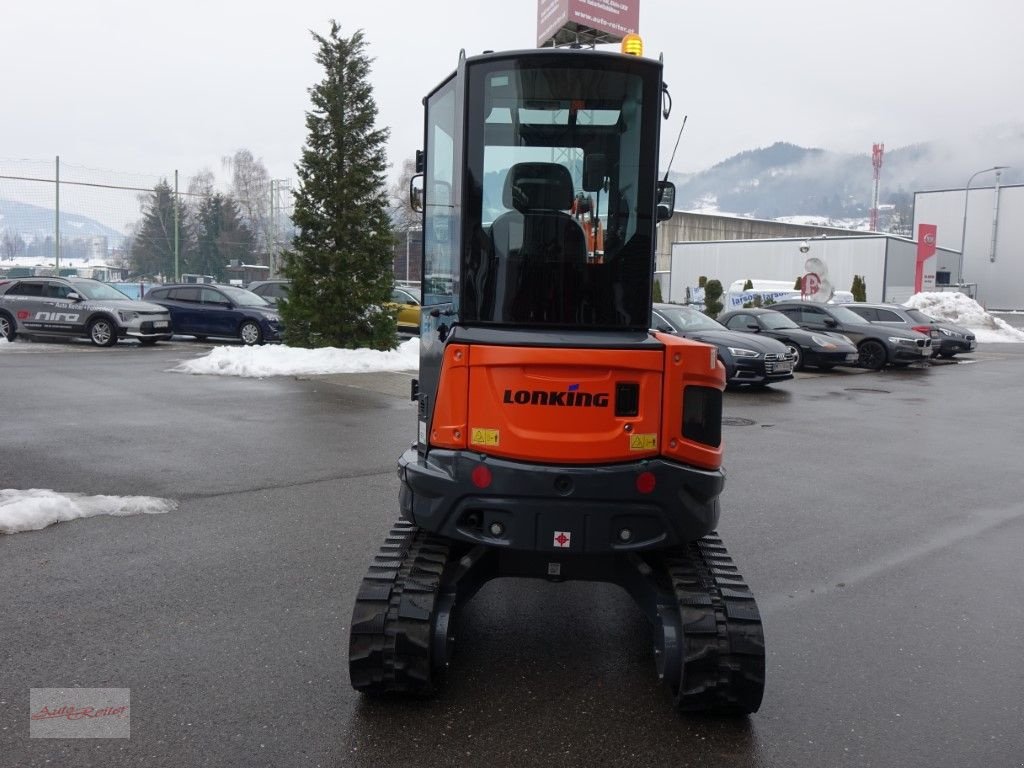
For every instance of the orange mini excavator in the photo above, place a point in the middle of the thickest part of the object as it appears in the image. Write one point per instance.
(559, 438)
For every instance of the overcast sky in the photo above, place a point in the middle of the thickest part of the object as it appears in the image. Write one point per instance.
(137, 87)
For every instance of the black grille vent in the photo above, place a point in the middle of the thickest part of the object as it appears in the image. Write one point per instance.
(702, 415)
(627, 399)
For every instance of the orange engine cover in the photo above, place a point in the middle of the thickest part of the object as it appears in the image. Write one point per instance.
(559, 405)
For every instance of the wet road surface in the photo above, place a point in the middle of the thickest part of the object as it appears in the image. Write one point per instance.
(877, 517)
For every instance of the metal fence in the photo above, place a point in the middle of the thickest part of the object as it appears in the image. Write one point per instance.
(58, 218)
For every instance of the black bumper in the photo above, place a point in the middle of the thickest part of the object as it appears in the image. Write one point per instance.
(814, 359)
(564, 509)
(903, 353)
(947, 346)
(753, 371)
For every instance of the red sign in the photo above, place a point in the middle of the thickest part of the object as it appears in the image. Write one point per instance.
(926, 236)
(588, 21)
(810, 284)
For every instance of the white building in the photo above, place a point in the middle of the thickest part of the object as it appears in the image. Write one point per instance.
(990, 223)
(885, 262)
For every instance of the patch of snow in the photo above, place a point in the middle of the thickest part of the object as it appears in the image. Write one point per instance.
(963, 310)
(37, 508)
(273, 360)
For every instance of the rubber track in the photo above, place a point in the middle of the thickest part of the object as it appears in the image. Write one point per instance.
(723, 642)
(390, 638)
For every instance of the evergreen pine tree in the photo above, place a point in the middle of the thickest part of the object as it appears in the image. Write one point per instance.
(221, 236)
(749, 285)
(340, 264)
(859, 288)
(799, 284)
(152, 251)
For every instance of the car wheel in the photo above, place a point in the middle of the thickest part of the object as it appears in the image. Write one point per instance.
(7, 326)
(798, 359)
(102, 332)
(872, 355)
(250, 333)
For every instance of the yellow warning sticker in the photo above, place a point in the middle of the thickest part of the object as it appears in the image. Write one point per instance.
(481, 436)
(643, 442)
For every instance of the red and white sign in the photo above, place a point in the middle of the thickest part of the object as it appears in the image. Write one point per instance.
(810, 285)
(562, 539)
(924, 273)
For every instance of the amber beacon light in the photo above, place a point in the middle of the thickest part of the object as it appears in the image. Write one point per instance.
(633, 44)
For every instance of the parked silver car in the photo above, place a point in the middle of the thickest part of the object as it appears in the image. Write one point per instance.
(75, 306)
(948, 339)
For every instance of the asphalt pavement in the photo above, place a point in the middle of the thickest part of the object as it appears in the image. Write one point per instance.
(877, 517)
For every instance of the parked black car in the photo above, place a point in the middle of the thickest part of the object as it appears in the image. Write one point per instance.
(948, 339)
(877, 346)
(748, 359)
(271, 290)
(814, 348)
(218, 311)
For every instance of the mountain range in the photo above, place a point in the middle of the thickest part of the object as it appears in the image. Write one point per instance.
(35, 222)
(785, 180)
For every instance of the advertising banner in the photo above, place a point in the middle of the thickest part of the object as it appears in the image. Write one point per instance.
(924, 272)
(589, 21)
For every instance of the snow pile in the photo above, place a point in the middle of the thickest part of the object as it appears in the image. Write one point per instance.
(3, 342)
(39, 507)
(271, 360)
(962, 310)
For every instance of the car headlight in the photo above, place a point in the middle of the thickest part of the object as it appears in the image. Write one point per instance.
(847, 339)
(953, 334)
(741, 352)
(127, 316)
(901, 340)
(821, 341)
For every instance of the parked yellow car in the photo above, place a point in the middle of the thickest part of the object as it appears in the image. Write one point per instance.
(407, 302)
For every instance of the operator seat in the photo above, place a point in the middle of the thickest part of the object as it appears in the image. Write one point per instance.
(540, 251)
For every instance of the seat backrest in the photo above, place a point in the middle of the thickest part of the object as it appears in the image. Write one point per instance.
(539, 250)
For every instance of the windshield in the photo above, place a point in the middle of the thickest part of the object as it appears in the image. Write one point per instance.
(565, 167)
(919, 317)
(776, 321)
(685, 319)
(244, 298)
(97, 291)
(844, 315)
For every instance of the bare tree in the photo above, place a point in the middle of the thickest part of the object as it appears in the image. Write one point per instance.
(11, 246)
(250, 189)
(403, 217)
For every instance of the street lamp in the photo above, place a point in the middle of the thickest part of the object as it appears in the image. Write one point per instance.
(963, 232)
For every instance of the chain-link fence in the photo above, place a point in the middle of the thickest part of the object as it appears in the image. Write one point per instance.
(59, 218)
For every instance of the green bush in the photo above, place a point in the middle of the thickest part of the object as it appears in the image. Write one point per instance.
(712, 294)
